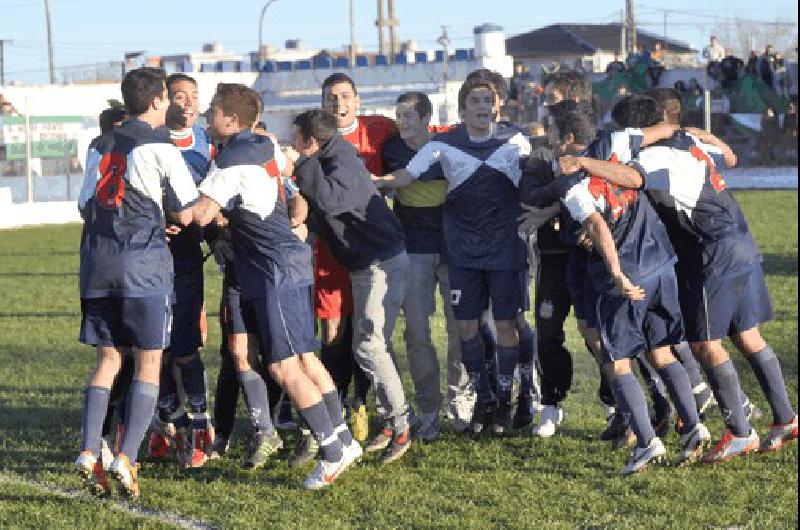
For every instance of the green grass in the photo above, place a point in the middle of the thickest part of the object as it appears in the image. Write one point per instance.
(571, 480)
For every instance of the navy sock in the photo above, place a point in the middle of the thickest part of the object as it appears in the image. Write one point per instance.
(725, 384)
(226, 392)
(630, 400)
(655, 387)
(680, 390)
(95, 406)
(489, 342)
(506, 359)
(334, 407)
(142, 399)
(527, 353)
(768, 372)
(193, 377)
(255, 395)
(320, 423)
(472, 355)
(686, 357)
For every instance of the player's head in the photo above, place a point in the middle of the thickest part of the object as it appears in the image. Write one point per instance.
(115, 114)
(312, 130)
(571, 126)
(567, 84)
(259, 125)
(144, 92)
(498, 83)
(477, 105)
(233, 109)
(340, 97)
(636, 110)
(183, 92)
(413, 112)
(669, 103)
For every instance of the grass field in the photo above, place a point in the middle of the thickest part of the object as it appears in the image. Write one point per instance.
(570, 480)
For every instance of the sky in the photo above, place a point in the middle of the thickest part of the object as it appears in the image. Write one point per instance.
(90, 31)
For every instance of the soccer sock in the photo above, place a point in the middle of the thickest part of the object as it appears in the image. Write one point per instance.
(320, 422)
(690, 364)
(680, 390)
(506, 360)
(334, 407)
(472, 355)
(489, 342)
(527, 345)
(193, 377)
(226, 393)
(169, 404)
(95, 406)
(141, 404)
(361, 383)
(768, 372)
(725, 384)
(255, 396)
(605, 392)
(630, 399)
(656, 388)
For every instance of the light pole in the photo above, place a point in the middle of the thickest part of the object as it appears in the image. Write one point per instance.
(261, 29)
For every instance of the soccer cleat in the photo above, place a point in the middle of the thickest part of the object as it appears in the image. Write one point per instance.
(427, 426)
(200, 449)
(481, 419)
(359, 423)
(352, 454)
(523, 416)
(261, 448)
(399, 445)
(615, 427)
(779, 435)
(182, 446)
(126, 476)
(305, 451)
(324, 474)
(693, 444)
(626, 438)
(501, 420)
(92, 473)
(550, 418)
(731, 446)
(106, 454)
(641, 456)
(218, 447)
(380, 441)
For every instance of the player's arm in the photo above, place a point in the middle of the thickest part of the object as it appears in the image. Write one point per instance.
(708, 138)
(533, 218)
(421, 166)
(298, 210)
(603, 243)
(182, 189)
(204, 211)
(656, 133)
(218, 188)
(620, 174)
(398, 179)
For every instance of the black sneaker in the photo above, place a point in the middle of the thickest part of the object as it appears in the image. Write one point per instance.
(397, 448)
(501, 420)
(481, 419)
(615, 426)
(523, 415)
(305, 451)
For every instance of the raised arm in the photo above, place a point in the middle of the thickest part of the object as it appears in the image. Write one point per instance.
(620, 174)
(708, 138)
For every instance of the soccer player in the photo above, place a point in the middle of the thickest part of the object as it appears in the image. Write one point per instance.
(486, 257)
(366, 238)
(274, 271)
(630, 247)
(419, 206)
(126, 276)
(720, 280)
(187, 423)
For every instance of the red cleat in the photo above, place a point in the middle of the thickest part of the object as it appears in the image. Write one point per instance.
(779, 435)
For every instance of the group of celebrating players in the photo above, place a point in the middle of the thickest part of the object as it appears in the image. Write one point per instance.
(636, 230)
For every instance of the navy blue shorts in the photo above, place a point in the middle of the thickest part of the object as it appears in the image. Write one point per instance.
(581, 289)
(140, 323)
(471, 290)
(283, 321)
(628, 329)
(716, 308)
(186, 337)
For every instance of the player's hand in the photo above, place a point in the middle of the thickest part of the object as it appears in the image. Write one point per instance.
(568, 164)
(172, 230)
(532, 218)
(627, 289)
(585, 242)
(301, 231)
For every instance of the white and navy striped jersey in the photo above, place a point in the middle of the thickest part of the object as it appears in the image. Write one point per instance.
(244, 180)
(482, 202)
(123, 246)
(710, 234)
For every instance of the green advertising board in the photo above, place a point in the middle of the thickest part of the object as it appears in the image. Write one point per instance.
(43, 149)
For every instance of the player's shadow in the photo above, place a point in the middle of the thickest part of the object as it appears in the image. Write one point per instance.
(779, 264)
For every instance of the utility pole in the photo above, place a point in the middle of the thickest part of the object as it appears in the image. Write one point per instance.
(622, 33)
(394, 46)
(352, 34)
(50, 58)
(381, 23)
(3, 43)
(665, 26)
(261, 32)
(630, 20)
(444, 42)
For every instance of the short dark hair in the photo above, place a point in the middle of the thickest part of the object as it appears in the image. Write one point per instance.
(636, 110)
(669, 101)
(318, 124)
(175, 78)
(140, 87)
(572, 85)
(336, 78)
(420, 100)
(576, 118)
(234, 98)
(471, 84)
(497, 81)
(115, 112)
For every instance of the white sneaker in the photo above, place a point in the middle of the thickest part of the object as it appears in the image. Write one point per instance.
(351, 454)
(641, 456)
(550, 418)
(693, 444)
(324, 474)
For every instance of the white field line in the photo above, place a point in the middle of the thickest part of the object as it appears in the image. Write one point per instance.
(147, 513)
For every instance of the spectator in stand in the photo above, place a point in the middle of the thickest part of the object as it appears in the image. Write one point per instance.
(769, 137)
(766, 66)
(616, 66)
(714, 52)
(730, 67)
(634, 57)
(654, 59)
(781, 76)
(789, 140)
(752, 64)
